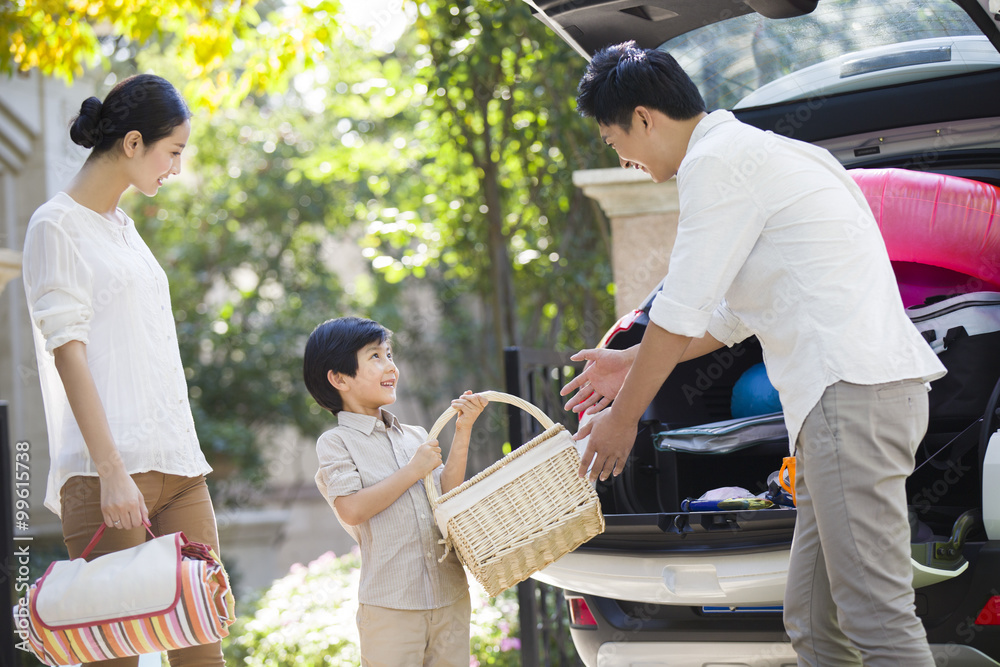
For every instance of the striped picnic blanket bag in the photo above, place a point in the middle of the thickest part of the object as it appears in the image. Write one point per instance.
(164, 594)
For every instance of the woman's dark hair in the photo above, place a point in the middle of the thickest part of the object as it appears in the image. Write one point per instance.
(624, 76)
(145, 102)
(333, 346)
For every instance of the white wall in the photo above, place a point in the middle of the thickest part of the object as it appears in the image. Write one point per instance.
(36, 159)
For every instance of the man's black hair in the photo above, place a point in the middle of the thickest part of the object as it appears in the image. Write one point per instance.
(624, 76)
(333, 346)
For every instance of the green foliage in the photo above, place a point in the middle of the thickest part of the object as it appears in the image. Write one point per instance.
(495, 629)
(249, 246)
(492, 224)
(62, 37)
(307, 619)
(429, 188)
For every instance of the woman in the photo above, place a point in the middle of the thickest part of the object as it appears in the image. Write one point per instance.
(122, 440)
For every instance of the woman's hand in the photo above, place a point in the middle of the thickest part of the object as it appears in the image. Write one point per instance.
(469, 406)
(122, 503)
(601, 380)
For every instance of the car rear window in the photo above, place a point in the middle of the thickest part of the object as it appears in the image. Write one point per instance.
(843, 45)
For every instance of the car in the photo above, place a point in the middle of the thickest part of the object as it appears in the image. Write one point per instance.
(906, 95)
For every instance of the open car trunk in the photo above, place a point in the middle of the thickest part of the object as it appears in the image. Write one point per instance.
(958, 315)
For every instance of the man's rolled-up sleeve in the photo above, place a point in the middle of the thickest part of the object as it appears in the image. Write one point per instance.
(726, 326)
(720, 222)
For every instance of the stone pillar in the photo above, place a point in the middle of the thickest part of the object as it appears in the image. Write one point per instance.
(10, 266)
(36, 160)
(643, 218)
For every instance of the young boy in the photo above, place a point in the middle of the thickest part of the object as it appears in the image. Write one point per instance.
(414, 604)
(776, 240)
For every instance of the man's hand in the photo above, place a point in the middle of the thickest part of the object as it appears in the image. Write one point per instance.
(609, 445)
(612, 432)
(601, 379)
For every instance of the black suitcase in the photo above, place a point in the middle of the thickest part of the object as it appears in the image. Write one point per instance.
(964, 331)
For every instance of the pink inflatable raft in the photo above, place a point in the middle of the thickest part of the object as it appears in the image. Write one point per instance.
(942, 232)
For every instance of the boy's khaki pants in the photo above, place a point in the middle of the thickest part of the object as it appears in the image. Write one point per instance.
(415, 638)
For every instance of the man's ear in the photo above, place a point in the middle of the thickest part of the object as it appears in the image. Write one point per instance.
(337, 381)
(643, 115)
(132, 142)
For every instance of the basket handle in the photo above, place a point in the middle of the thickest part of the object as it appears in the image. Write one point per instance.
(492, 397)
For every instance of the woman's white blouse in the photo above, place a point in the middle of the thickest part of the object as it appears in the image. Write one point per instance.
(93, 280)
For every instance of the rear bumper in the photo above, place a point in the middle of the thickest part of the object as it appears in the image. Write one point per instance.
(695, 654)
(692, 579)
(650, 633)
(744, 654)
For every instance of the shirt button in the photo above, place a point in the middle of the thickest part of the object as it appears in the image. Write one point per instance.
(423, 516)
(429, 554)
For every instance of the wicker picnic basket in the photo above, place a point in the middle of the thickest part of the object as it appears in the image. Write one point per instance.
(522, 513)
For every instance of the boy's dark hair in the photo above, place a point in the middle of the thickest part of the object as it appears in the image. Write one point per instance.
(624, 76)
(145, 102)
(333, 346)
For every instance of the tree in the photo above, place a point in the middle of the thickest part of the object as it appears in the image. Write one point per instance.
(448, 161)
(498, 137)
(62, 37)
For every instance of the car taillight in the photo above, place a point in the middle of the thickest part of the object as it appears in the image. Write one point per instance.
(990, 615)
(579, 612)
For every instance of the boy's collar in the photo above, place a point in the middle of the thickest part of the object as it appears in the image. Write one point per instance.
(367, 423)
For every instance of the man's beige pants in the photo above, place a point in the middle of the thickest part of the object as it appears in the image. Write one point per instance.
(849, 597)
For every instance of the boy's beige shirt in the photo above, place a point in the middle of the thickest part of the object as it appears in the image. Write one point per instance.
(400, 545)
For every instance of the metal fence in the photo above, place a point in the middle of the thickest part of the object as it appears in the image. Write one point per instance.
(536, 376)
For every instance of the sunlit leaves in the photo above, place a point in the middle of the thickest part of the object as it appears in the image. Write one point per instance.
(61, 38)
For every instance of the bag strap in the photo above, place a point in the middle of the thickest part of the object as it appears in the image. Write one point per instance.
(492, 397)
(100, 533)
(961, 451)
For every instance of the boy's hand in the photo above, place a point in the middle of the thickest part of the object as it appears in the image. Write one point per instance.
(427, 458)
(469, 406)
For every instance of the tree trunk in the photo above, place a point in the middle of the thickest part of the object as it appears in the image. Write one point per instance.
(501, 276)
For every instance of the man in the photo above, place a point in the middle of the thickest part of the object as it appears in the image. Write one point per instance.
(775, 240)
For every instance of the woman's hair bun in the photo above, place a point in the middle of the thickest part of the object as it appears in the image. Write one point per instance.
(86, 128)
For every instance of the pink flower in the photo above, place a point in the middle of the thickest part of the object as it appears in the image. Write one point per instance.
(473, 661)
(325, 558)
(510, 644)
